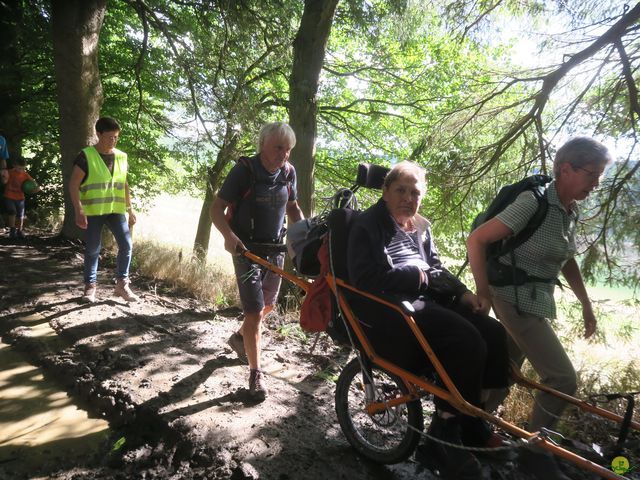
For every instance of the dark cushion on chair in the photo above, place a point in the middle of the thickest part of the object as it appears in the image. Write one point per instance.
(340, 221)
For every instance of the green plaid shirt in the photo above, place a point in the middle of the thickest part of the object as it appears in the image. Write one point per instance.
(543, 254)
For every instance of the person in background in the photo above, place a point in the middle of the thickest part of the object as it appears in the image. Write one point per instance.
(259, 192)
(14, 199)
(526, 313)
(4, 173)
(100, 196)
(4, 156)
(391, 252)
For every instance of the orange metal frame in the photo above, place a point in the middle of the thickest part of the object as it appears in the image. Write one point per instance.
(303, 284)
(419, 385)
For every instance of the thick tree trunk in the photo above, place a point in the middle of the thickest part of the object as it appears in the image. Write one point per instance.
(10, 75)
(76, 26)
(309, 48)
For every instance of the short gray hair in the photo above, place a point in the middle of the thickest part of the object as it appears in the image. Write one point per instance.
(580, 152)
(407, 168)
(276, 129)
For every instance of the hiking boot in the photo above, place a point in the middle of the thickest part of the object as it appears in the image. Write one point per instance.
(236, 342)
(453, 463)
(12, 233)
(123, 291)
(89, 295)
(20, 234)
(542, 465)
(257, 388)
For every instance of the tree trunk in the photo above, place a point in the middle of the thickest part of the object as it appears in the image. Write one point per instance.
(76, 26)
(214, 179)
(309, 48)
(203, 234)
(10, 76)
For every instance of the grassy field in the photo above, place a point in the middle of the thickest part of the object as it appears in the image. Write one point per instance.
(163, 239)
(615, 294)
(172, 221)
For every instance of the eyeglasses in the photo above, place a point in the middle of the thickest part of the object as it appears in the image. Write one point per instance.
(590, 174)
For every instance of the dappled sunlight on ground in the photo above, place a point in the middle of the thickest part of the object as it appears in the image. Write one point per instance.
(38, 421)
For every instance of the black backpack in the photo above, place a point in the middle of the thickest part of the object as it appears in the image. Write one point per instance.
(498, 273)
(249, 195)
(505, 197)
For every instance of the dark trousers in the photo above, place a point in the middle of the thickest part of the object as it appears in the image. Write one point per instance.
(472, 348)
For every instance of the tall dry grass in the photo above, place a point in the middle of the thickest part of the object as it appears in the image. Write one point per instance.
(608, 363)
(205, 281)
(173, 221)
(163, 242)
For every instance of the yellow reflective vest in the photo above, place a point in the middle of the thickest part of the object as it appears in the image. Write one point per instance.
(101, 192)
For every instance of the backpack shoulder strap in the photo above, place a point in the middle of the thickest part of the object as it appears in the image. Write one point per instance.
(250, 193)
(540, 193)
(288, 169)
(232, 209)
(248, 164)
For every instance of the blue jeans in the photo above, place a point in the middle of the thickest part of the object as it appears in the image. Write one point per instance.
(117, 223)
(14, 207)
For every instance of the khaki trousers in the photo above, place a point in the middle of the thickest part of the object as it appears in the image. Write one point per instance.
(533, 338)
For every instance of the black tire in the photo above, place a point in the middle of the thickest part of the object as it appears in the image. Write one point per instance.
(387, 437)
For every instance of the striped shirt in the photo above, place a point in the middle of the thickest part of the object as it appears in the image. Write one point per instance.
(404, 250)
(543, 255)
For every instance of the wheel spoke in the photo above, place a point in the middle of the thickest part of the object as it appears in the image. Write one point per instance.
(391, 434)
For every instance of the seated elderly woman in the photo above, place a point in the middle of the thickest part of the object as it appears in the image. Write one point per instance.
(391, 252)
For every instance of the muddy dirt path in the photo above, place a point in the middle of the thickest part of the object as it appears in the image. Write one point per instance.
(39, 423)
(174, 393)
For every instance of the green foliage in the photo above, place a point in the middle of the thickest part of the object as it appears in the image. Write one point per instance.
(433, 82)
(610, 233)
(328, 374)
(139, 87)
(38, 110)
(383, 100)
(118, 444)
(293, 330)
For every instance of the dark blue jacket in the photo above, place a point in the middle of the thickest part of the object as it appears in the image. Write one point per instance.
(371, 269)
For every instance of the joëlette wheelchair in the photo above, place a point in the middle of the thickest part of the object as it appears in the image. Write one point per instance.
(380, 405)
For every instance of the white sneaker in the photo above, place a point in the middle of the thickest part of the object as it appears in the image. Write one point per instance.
(89, 295)
(122, 290)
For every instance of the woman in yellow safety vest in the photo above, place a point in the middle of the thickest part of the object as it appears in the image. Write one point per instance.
(100, 196)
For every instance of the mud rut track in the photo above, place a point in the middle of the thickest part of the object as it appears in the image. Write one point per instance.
(161, 373)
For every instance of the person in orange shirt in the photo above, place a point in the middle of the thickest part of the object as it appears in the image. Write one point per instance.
(4, 173)
(14, 197)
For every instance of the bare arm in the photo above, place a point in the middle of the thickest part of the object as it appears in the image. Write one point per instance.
(477, 244)
(294, 213)
(231, 242)
(74, 193)
(572, 274)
